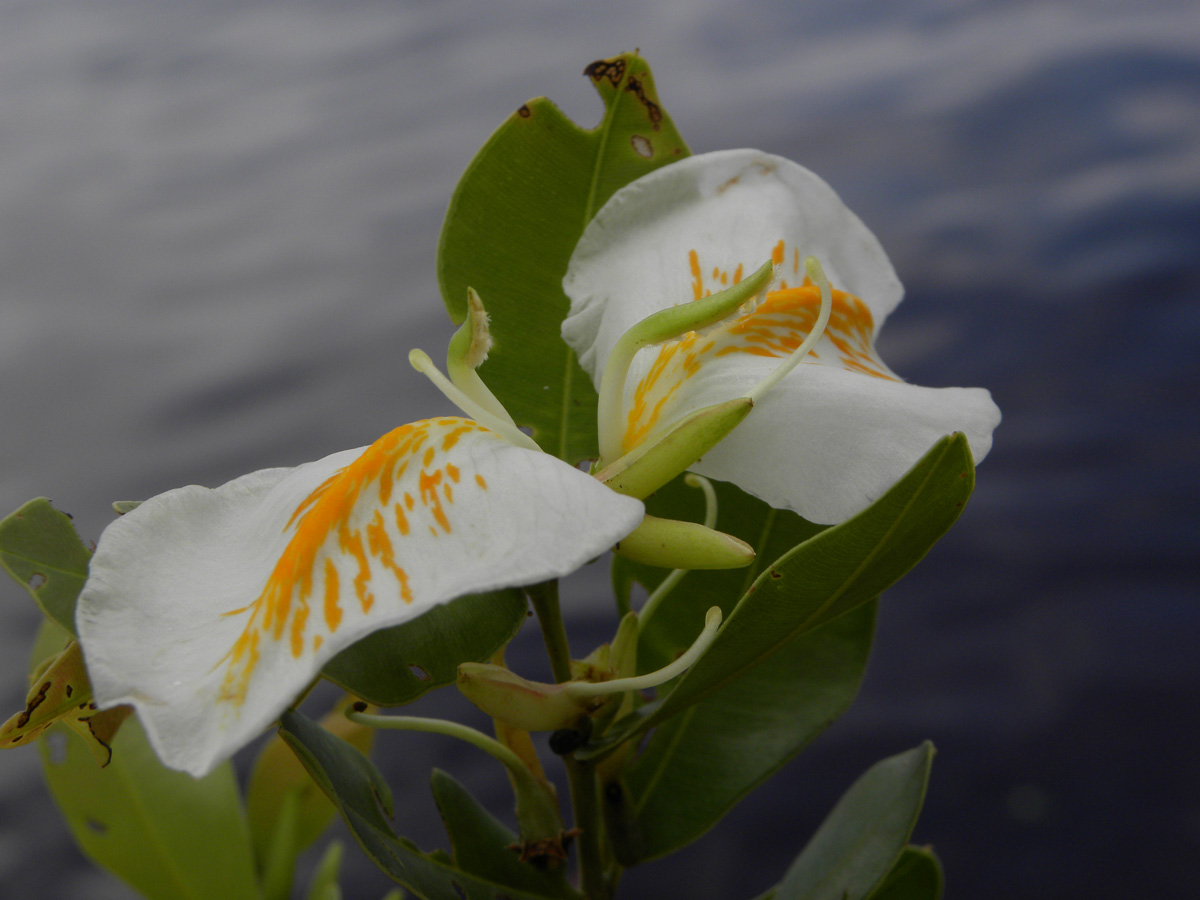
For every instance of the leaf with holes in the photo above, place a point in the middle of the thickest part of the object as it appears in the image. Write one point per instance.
(397, 665)
(41, 551)
(171, 836)
(513, 222)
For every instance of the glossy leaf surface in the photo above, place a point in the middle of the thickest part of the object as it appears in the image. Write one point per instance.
(513, 222)
(857, 844)
(833, 572)
(699, 764)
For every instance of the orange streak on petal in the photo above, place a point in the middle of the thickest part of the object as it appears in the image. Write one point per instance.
(333, 610)
(697, 278)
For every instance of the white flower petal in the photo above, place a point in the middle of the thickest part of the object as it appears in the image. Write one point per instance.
(827, 443)
(840, 428)
(694, 227)
(211, 610)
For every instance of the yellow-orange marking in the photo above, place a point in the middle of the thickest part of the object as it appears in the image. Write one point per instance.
(333, 610)
(775, 328)
(331, 528)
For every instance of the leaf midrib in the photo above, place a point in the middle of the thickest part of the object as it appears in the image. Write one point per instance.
(589, 210)
(836, 595)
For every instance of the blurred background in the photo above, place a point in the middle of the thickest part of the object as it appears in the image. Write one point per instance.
(218, 225)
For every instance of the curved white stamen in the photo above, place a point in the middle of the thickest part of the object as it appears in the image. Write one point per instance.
(668, 584)
(420, 361)
(817, 274)
(581, 689)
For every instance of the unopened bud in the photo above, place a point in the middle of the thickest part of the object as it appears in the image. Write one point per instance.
(683, 545)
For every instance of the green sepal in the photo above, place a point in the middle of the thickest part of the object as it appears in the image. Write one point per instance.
(40, 549)
(655, 462)
(397, 665)
(515, 218)
(860, 840)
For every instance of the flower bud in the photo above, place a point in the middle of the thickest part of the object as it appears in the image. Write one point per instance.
(683, 545)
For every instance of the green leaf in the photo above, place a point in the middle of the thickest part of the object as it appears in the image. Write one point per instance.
(483, 846)
(353, 783)
(514, 220)
(169, 835)
(916, 875)
(397, 665)
(278, 778)
(278, 860)
(41, 551)
(833, 572)
(859, 841)
(324, 882)
(698, 765)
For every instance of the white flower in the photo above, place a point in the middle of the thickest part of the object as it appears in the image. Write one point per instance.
(211, 610)
(839, 429)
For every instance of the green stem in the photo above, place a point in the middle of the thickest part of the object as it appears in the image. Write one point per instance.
(544, 598)
(487, 744)
(582, 776)
(584, 802)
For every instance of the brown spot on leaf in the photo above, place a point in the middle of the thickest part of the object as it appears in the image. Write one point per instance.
(34, 703)
(36, 580)
(524, 112)
(653, 112)
(612, 69)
